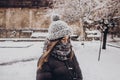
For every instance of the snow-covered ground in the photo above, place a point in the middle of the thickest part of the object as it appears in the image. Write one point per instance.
(21, 69)
(106, 69)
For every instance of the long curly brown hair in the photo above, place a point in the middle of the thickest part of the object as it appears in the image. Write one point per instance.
(45, 55)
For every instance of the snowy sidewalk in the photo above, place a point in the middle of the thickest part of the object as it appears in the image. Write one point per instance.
(17, 51)
(106, 69)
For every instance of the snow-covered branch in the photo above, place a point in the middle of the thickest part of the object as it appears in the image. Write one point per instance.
(73, 10)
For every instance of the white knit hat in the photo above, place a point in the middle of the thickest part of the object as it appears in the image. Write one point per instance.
(58, 29)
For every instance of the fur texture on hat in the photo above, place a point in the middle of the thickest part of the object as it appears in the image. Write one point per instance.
(58, 29)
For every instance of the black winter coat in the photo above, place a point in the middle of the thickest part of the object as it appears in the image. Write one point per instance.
(56, 69)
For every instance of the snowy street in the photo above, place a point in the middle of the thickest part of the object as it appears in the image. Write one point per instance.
(18, 60)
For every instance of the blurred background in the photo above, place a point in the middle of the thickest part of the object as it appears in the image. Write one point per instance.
(96, 36)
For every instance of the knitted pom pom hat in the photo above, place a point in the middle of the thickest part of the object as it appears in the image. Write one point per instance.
(58, 29)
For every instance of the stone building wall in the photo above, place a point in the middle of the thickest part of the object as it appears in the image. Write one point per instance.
(2, 18)
(15, 18)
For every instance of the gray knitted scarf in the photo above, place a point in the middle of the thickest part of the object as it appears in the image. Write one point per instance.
(61, 51)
